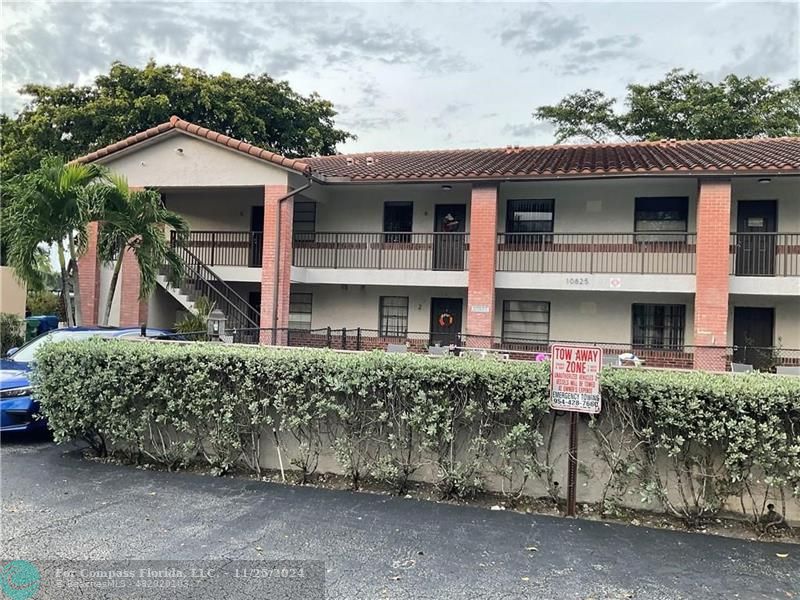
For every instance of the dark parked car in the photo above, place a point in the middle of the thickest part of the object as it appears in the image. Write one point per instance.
(17, 407)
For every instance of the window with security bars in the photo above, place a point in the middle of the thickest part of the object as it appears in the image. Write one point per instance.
(393, 316)
(305, 221)
(533, 217)
(659, 216)
(398, 220)
(526, 321)
(659, 326)
(300, 311)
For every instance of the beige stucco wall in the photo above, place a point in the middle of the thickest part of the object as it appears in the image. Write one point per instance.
(163, 310)
(592, 316)
(12, 293)
(786, 190)
(354, 306)
(597, 206)
(202, 163)
(215, 209)
(353, 208)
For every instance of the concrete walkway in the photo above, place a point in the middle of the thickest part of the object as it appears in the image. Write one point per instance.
(55, 504)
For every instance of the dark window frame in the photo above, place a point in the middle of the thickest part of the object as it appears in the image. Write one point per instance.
(397, 330)
(678, 234)
(654, 335)
(394, 230)
(516, 237)
(300, 231)
(520, 340)
(301, 299)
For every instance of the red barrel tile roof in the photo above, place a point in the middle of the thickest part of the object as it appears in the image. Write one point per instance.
(692, 157)
(218, 138)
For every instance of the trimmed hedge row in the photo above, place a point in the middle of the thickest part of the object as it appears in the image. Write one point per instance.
(703, 436)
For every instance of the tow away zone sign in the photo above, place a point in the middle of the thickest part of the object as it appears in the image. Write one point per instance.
(575, 378)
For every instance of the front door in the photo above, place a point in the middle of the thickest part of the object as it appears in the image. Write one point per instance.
(445, 321)
(448, 239)
(755, 244)
(752, 336)
(256, 235)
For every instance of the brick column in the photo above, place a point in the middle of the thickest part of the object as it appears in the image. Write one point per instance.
(89, 273)
(132, 310)
(712, 278)
(269, 286)
(482, 257)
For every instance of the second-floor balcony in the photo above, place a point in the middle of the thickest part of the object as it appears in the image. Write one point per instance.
(643, 253)
(751, 254)
(382, 250)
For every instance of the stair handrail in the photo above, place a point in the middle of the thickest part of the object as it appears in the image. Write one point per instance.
(208, 276)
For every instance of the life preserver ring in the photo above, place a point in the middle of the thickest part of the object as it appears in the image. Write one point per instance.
(446, 320)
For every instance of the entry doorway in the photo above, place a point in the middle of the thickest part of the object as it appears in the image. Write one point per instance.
(254, 300)
(756, 221)
(753, 330)
(448, 249)
(257, 235)
(445, 321)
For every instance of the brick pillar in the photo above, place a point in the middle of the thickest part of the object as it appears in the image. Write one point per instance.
(482, 256)
(712, 279)
(132, 311)
(269, 286)
(89, 272)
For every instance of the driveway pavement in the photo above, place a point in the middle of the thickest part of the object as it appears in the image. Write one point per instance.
(54, 504)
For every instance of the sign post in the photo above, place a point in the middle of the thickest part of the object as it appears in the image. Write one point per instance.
(574, 387)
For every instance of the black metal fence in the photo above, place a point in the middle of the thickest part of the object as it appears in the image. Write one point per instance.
(765, 254)
(226, 248)
(712, 358)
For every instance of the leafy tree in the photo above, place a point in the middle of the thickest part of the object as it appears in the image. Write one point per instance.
(52, 205)
(681, 106)
(70, 120)
(136, 220)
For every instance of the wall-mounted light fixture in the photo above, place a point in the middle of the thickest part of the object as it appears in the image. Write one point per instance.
(179, 150)
(447, 187)
(764, 180)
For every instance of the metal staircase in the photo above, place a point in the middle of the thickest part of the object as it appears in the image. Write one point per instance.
(200, 281)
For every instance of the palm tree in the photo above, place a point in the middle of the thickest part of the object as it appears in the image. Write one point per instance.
(135, 220)
(52, 204)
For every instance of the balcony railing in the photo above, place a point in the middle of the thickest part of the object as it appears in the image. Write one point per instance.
(765, 254)
(663, 253)
(226, 248)
(413, 251)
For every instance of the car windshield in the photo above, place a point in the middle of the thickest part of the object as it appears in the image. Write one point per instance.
(27, 352)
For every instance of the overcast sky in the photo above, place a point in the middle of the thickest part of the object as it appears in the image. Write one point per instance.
(410, 76)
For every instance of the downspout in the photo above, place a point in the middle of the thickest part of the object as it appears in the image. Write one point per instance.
(276, 269)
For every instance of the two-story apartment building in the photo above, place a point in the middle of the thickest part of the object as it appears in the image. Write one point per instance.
(686, 252)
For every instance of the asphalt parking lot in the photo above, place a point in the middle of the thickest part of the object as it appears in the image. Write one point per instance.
(57, 505)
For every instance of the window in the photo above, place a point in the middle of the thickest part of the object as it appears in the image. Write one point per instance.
(529, 216)
(304, 221)
(393, 316)
(398, 217)
(300, 311)
(659, 325)
(661, 215)
(526, 321)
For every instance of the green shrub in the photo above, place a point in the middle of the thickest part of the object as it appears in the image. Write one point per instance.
(44, 302)
(12, 332)
(705, 437)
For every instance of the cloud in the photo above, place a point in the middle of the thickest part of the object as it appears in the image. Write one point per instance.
(529, 131)
(542, 31)
(774, 55)
(58, 42)
(453, 111)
